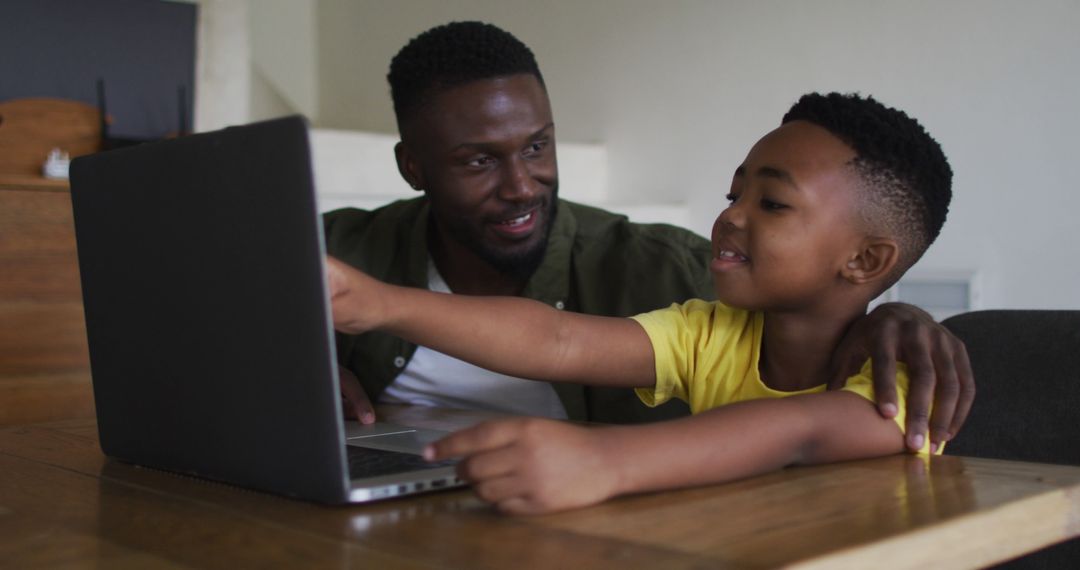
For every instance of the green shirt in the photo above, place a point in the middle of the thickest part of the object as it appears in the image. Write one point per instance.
(596, 262)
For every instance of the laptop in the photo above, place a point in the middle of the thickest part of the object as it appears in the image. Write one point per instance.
(211, 342)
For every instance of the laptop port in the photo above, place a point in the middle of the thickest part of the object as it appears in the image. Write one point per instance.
(438, 483)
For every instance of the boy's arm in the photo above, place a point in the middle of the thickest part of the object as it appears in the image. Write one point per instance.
(514, 336)
(531, 466)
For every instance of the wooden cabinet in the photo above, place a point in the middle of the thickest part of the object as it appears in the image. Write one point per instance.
(44, 363)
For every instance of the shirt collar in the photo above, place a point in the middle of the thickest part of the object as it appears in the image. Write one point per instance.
(550, 283)
(417, 274)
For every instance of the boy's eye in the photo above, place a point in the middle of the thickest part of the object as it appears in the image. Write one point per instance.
(767, 204)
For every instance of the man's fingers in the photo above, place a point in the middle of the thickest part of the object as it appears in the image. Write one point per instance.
(916, 350)
(947, 392)
(357, 404)
(920, 393)
(883, 368)
(847, 361)
(967, 388)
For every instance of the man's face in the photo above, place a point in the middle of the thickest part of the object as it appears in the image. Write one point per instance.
(791, 225)
(484, 152)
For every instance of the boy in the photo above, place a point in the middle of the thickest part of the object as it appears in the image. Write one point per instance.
(827, 211)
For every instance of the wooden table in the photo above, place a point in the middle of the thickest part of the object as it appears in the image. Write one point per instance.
(63, 504)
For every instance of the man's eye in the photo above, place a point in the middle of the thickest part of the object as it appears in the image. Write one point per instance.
(481, 161)
(770, 205)
(535, 148)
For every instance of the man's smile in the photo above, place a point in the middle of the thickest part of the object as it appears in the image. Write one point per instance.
(519, 226)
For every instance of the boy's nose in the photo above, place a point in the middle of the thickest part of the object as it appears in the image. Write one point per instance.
(731, 216)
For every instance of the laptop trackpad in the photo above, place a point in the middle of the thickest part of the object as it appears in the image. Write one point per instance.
(390, 437)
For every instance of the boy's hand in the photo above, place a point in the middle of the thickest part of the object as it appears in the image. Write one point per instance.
(937, 362)
(528, 466)
(355, 298)
(337, 278)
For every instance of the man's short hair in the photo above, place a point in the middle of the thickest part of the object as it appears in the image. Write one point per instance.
(450, 55)
(906, 179)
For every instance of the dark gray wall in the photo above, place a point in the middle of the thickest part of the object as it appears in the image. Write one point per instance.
(143, 49)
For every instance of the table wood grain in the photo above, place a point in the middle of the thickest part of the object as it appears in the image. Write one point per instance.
(63, 504)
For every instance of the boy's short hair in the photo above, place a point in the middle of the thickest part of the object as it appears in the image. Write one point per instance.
(454, 54)
(906, 179)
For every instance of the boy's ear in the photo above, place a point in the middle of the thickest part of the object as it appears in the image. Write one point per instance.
(873, 261)
(408, 167)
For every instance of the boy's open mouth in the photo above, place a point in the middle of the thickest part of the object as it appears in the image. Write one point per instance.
(726, 259)
(728, 255)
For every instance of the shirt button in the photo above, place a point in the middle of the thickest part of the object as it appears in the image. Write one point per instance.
(399, 362)
(560, 305)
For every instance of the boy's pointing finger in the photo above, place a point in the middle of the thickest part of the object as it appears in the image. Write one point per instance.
(479, 438)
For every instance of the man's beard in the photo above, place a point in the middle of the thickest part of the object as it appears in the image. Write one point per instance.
(519, 263)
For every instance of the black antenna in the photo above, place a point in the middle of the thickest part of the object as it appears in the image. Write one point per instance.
(102, 111)
(181, 93)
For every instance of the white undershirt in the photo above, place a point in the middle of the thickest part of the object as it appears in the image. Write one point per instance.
(434, 379)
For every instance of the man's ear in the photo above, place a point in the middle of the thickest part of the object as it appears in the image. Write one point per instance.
(408, 167)
(874, 260)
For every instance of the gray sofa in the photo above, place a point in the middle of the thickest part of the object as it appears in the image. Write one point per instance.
(1027, 404)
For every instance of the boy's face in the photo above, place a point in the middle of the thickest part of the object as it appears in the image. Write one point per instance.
(791, 225)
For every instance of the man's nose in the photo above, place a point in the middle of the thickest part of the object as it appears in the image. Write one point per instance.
(517, 182)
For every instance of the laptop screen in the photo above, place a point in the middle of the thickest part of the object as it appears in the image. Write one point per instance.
(210, 339)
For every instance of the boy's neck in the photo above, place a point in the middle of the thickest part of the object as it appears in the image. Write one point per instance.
(796, 348)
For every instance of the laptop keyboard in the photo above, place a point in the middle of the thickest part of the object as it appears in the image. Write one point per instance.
(367, 462)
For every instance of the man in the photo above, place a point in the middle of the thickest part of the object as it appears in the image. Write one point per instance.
(478, 138)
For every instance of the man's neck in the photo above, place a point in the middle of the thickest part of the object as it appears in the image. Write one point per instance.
(468, 274)
(796, 348)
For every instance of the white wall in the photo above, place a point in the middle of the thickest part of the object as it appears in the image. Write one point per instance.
(222, 70)
(995, 82)
(677, 91)
(283, 57)
(357, 39)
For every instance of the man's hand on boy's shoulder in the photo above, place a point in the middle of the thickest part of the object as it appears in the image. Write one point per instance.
(937, 363)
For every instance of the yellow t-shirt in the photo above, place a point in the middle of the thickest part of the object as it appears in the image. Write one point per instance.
(707, 355)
